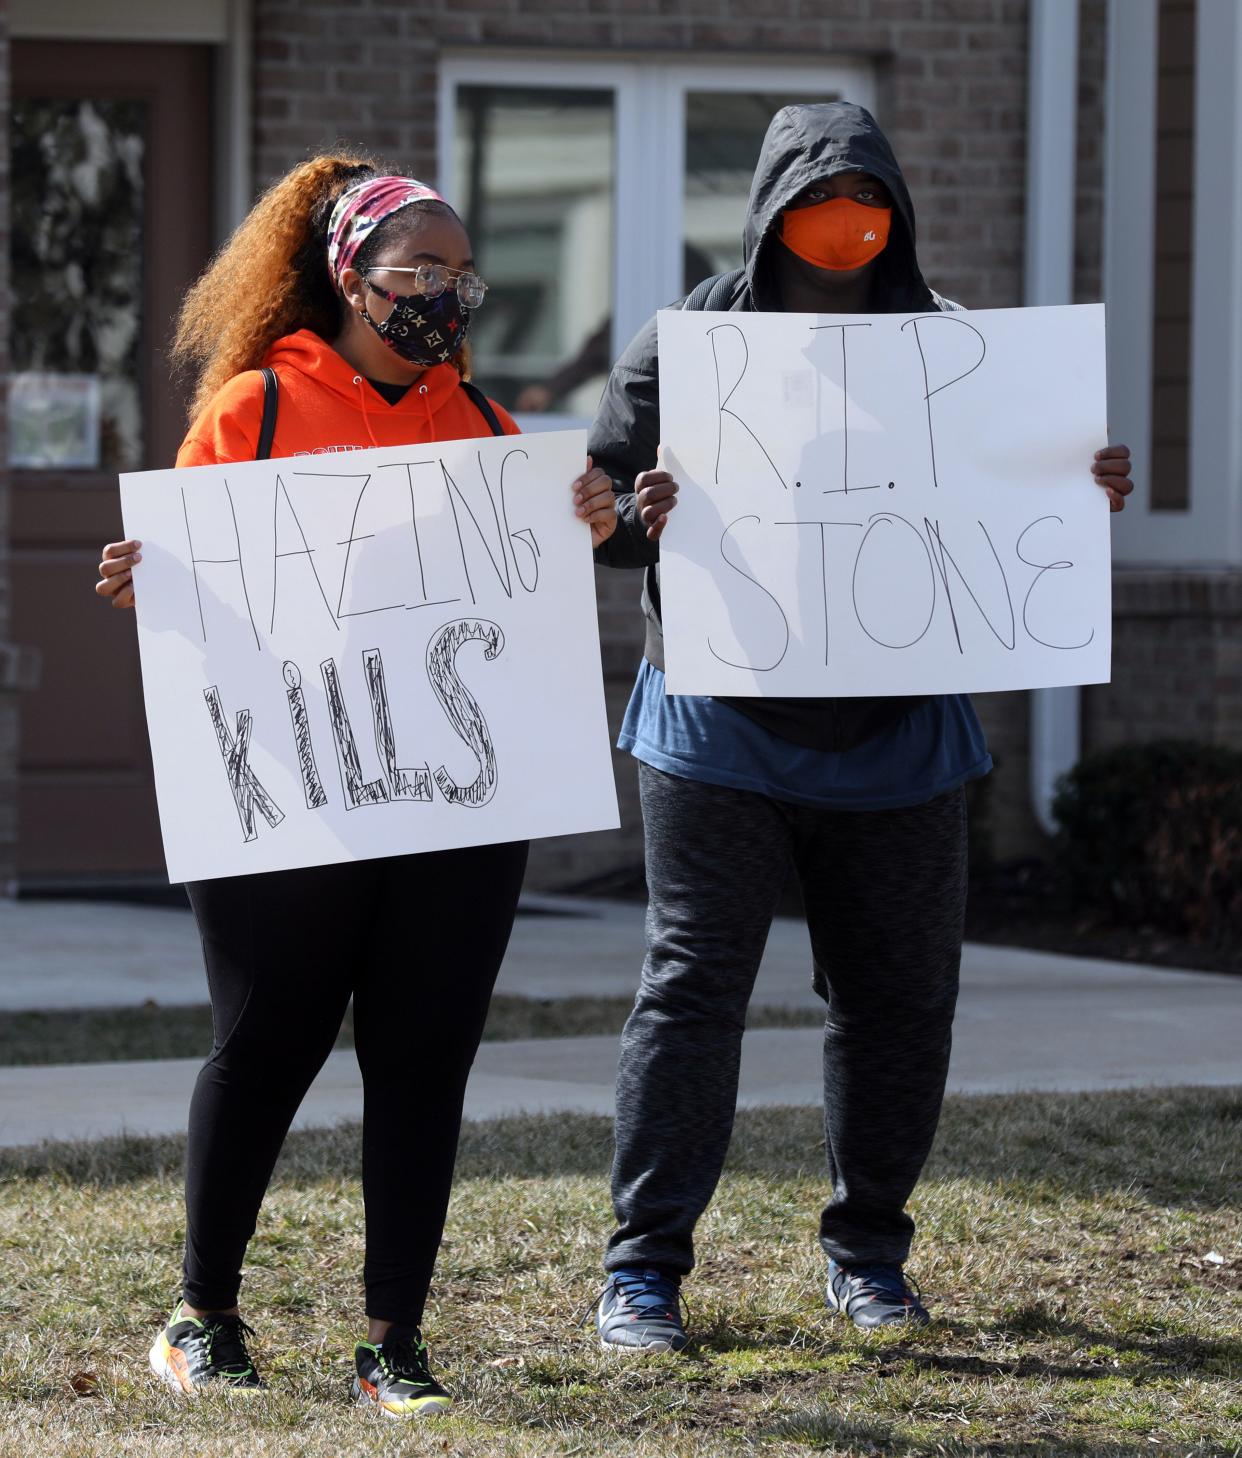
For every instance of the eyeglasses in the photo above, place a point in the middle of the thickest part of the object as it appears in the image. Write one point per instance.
(431, 279)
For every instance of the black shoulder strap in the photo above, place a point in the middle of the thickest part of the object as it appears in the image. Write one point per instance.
(714, 294)
(484, 406)
(271, 399)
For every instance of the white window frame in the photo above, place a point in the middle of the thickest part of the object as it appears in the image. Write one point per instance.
(649, 163)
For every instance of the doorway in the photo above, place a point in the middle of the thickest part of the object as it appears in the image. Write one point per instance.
(111, 147)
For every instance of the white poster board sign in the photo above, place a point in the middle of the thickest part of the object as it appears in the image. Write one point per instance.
(370, 653)
(884, 504)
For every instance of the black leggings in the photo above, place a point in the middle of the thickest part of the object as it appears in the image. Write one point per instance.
(417, 941)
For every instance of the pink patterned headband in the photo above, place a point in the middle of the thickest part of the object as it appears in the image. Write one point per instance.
(361, 209)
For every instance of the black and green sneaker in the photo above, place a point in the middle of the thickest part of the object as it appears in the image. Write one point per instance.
(395, 1376)
(191, 1353)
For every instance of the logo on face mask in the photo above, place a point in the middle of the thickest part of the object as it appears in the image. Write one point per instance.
(422, 331)
(838, 234)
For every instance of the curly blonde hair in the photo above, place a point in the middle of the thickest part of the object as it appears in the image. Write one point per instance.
(270, 279)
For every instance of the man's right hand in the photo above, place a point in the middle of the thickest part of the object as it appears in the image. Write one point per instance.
(116, 573)
(657, 495)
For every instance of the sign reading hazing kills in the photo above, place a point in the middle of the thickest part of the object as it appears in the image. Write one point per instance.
(369, 654)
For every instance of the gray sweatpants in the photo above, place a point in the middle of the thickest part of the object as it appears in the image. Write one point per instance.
(885, 893)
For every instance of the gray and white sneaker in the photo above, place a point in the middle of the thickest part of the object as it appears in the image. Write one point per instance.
(874, 1295)
(640, 1311)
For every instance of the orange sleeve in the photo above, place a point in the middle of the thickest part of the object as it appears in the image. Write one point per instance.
(228, 428)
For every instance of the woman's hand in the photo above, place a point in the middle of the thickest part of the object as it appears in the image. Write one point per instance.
(657, 495)
(1111, 469)
(116, 573)
(595, 503)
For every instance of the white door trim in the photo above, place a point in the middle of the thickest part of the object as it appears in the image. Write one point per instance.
(1216, 317)
(1129, 261)
(650, 144)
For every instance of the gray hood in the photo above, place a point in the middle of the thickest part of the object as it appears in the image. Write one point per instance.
(810, 143)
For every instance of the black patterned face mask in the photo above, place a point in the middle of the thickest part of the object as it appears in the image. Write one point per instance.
(421, 330)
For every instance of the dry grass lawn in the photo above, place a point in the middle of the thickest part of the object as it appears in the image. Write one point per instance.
(1083, 1255)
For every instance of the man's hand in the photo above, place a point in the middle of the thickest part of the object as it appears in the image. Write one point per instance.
(595, 503)
(116, 573)
(1111, 469)
(657, 495)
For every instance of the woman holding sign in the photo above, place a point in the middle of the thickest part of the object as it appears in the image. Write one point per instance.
(862, 797)
(336, 319)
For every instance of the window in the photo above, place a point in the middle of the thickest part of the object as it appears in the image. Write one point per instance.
(535, 170)
(595, 192)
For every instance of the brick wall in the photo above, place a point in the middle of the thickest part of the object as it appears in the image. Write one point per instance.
(1174, 264)
(952, 74)
(8, 701)
(952, 86)
(1089, 168)
(1177, 661)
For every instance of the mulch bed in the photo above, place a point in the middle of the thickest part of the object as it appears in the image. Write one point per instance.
(1017, 905)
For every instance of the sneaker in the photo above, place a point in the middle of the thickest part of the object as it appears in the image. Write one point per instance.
(396, 1377)
(640, 1310)
(191, 1352)
(874, 1295)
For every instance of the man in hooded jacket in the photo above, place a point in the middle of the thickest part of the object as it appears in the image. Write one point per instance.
(862, 796)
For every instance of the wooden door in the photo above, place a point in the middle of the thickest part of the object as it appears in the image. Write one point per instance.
(111, 219)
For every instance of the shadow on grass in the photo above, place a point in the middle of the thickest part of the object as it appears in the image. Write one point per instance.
(824, 1429)
(1165, 1146)
(1162, 1146)
(1147, 1358)
(1182, 1357)
(1179, 1355)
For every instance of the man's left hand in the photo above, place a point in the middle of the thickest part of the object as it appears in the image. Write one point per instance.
(1111, 469)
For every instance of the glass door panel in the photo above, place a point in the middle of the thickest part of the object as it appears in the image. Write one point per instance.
(534, 181)
(75, 400)
(724, 131)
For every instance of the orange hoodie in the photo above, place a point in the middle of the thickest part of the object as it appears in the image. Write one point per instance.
(326, 406)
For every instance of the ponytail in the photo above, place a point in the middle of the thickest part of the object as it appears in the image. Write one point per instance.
(270, 279)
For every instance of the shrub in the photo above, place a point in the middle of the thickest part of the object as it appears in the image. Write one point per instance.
(1152, 833)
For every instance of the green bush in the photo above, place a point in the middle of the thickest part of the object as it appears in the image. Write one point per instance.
(1152, 834)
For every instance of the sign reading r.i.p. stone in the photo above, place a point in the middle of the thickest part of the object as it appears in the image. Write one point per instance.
(884, 504)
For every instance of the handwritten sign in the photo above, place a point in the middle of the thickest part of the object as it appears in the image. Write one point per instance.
(884, 504)
(369, 653)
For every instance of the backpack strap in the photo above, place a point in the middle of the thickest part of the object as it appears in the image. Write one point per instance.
(271, 400)
(714, 294)
(484, 406)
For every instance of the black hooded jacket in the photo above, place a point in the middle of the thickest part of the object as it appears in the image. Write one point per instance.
(804, 144)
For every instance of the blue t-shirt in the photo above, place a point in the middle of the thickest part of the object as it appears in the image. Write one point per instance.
(930, 750)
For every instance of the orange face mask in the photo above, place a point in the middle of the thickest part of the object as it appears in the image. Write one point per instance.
(836, 234)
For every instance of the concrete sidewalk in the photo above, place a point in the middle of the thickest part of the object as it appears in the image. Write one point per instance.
(1026, 1020)
(779, 1066)
(66, 954)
